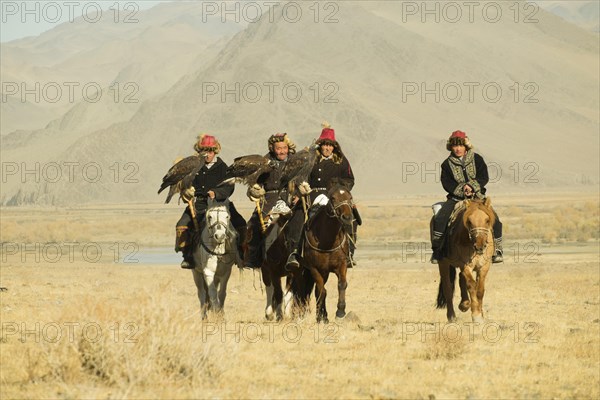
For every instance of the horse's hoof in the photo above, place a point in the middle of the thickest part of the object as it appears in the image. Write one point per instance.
(340, 314)
(269, 317)
(452, 319)
(464, 306)
(478, 319)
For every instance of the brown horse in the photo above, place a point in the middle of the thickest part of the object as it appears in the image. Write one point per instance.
(299, 283)
(470, 247)
(325, 247)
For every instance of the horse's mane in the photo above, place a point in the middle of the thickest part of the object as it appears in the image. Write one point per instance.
(336, 184)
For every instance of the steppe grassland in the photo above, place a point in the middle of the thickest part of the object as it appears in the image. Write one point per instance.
(130, 330)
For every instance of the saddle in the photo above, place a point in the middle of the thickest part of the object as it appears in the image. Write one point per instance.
(458, 208)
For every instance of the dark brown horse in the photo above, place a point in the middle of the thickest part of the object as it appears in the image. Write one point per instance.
(470, 247)
(299, 283)
(326, 242)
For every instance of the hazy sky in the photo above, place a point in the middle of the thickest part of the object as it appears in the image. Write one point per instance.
(20, 18)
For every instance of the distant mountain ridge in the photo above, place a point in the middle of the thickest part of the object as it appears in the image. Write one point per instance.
(392, 90)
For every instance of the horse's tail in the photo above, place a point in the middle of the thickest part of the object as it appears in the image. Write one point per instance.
(441, 300)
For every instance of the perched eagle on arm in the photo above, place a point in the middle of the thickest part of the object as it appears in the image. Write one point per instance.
(299, 166)
(247, 170)
(181, 175)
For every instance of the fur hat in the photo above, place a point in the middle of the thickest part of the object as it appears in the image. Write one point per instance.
(281, 137)
(207, 143)
(327, 135)
(458, 138)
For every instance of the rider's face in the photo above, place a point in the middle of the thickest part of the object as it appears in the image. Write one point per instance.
(458, 150)
(326, 150)
(281, 150)
(209, 156)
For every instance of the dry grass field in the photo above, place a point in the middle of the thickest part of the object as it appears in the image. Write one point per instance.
(85, 325)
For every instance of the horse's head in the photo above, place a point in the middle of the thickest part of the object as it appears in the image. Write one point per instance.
(479, 220)
(217, 220)
(341, 204)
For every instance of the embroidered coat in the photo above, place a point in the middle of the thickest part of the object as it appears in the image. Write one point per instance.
(471, 170)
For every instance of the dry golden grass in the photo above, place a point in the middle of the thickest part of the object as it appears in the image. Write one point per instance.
(575, 220)
(134, 331)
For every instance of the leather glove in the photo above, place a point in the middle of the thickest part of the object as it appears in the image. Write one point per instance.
(255, 192)
(188, 194)
(304, 188)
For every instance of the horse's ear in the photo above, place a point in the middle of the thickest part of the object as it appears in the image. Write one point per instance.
(487, 202)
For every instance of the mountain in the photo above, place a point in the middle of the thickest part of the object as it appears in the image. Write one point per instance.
(534, 102)
(585, 14)
(129, 61)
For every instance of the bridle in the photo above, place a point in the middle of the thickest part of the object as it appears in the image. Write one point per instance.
(333, 209)
(332, 212)
(474, 232)
(218, 222)
(211, 229)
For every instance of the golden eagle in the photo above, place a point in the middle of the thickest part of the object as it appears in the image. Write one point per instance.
(181, 175)
(247, 170)
(298, 167)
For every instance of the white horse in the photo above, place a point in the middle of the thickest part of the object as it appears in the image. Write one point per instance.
(214, 257)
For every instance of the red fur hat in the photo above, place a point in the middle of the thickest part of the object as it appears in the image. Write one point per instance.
(327, 134)
(457, 138)
(207, 142)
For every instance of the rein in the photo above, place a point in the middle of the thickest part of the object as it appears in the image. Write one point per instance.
(335, 215)
(323, 250)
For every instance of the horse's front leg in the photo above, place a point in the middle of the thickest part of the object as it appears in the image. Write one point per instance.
(472, 288)
(288, 298)
(342, 285)
(321, 295)
(224, 273)
(277, 297)
(209, 277)
(447, 287)
(202, 294)
(481, 275)
(465, 303)
(269, 310)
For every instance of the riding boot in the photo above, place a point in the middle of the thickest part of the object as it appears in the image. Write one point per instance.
(497, 257)
(436, 247)
(188, 258)
(293, 262)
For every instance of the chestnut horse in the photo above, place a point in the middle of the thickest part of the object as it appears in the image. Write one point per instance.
(470, 247)
(326, 244)
(299, 283)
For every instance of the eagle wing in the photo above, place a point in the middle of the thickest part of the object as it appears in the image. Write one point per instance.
(299, 166)
(247, 169)
(181, 175)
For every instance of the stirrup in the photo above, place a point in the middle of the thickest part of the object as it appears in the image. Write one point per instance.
(292, 262)
(497, 258)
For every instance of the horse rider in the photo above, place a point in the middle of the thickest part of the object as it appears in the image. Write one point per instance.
(464, 175)
(280, 147)
(204, 187)
(331, 163)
